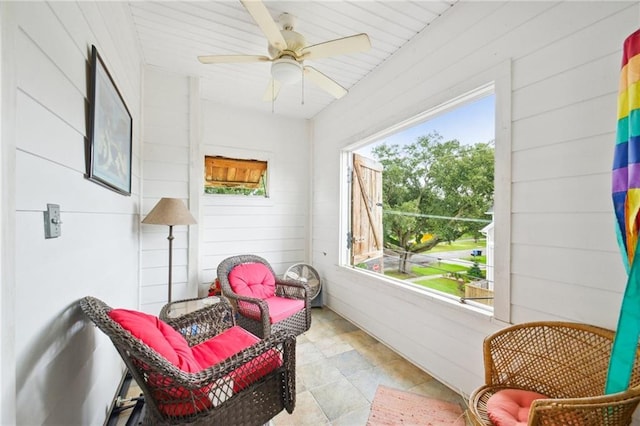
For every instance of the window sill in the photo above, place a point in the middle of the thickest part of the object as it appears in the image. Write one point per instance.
(390, 287)
(236, 200)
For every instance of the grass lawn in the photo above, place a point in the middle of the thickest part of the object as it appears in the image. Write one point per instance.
(459, 245)
(443, 268)
(397, 275)
(444, 285)
(482, 260)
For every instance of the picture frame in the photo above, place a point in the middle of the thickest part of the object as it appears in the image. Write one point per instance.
(110, 131)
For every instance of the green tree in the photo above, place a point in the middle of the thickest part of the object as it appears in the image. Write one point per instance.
(431, 177)
(404, 236)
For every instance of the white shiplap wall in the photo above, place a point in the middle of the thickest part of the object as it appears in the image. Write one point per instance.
(565, 59)
(66, 371)
(275, 228)
(167, 131)
(180, 129)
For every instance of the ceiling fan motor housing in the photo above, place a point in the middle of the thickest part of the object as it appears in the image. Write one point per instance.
(295, 43)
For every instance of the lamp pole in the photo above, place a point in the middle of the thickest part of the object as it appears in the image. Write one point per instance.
(170, 212)
(170, 238)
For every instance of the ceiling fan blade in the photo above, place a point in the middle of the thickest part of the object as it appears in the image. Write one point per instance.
(324, 82)
(272, 90)
(340, 46)
(270, 29)
(232, 59)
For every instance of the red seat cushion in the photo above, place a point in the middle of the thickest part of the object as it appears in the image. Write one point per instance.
(252, 280)
(279, 308)
(231, 342)
(225, 344)
(159, 336)
(510, 407)
(162, 338)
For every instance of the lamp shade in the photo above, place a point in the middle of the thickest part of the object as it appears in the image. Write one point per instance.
(169, 211)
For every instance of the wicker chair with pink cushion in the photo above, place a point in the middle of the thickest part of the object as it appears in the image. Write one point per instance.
(265, 303)
(551, 373)
(201, 368)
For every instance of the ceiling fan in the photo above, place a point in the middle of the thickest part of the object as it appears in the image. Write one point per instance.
(288, 51)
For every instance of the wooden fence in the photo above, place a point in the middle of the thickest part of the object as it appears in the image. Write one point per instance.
(471, 292)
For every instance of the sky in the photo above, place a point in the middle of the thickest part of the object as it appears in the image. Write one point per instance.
(470, 124)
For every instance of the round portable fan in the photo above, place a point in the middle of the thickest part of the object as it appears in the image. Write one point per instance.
(307, 274)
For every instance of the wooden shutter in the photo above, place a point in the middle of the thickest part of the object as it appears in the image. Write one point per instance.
(366, 211)
(231, 172)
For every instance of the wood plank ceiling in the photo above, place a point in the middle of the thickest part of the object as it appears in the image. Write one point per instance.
(173, 33)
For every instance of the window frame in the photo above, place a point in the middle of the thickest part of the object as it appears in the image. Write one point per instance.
(239, 153)
(496, 80)
(244, 184)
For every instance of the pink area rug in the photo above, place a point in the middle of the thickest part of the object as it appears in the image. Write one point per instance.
(393, 407)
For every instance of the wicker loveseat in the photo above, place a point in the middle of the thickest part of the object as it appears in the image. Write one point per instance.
(567, 362)
(244, 387)
(265, 302)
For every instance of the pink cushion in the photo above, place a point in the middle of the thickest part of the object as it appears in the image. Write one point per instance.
(230, 342)
(510, 407)
(279, 308)
(225, 344)
(252, 280)
(159, 336)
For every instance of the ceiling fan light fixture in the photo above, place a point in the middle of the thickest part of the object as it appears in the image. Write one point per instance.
(286, 70)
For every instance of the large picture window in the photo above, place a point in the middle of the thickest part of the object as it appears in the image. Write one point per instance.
(422, 197)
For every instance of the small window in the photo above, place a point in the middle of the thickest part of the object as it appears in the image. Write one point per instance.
(223, 175)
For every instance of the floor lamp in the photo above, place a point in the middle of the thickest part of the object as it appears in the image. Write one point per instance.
(170, 211)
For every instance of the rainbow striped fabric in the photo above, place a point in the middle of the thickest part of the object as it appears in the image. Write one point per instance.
(626, 203)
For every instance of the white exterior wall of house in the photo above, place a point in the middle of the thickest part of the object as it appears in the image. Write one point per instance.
(488, 232)
(56, 367)
(564, 67)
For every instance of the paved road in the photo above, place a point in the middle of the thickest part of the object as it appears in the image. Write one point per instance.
(391, 261)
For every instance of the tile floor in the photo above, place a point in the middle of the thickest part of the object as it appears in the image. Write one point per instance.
(338, 369)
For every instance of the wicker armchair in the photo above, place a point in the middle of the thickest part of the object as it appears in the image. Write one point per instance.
(248, 388)
(256, 313)
(567, 362)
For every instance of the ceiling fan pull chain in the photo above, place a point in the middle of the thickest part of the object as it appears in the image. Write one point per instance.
(302, 85)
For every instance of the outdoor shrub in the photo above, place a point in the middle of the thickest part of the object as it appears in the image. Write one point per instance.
(475, 271)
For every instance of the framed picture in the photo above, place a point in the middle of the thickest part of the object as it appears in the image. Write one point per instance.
(110, 131)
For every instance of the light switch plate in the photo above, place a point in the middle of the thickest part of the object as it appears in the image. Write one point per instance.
(52, 222)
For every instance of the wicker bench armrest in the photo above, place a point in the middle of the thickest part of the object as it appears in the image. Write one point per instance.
(249, 302)
(205, 323)
(292, 289)
(614, 409)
